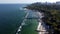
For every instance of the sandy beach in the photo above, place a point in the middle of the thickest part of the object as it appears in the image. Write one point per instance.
(41, 29)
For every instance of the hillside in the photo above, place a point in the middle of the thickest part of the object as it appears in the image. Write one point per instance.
(52, 14)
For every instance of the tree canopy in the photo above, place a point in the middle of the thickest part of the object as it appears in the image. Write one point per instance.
(52, 14)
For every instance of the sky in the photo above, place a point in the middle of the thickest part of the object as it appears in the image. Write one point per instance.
(26, 1)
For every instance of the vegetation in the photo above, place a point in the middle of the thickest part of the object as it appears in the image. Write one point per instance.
(52, 14)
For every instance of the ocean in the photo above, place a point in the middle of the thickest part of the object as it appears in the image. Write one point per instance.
(11, 18)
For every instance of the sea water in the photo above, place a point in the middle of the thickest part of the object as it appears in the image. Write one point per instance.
(11, 18)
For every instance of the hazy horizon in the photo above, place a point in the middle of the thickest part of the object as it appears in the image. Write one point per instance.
(25, 1)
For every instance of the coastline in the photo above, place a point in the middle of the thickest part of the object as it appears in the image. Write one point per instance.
(31, 24)
(23, 23)
(40, 28)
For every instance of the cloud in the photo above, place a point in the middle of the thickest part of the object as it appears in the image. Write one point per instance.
(25, 1)
(17, 1)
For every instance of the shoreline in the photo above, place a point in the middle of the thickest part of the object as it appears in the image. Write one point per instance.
(31, 24)
(22, 24)
(40, 28)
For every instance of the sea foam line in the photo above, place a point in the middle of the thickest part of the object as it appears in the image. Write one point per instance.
(22, 24)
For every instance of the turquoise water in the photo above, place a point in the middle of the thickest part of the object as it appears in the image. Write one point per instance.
(31, 24)
(30, 27)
